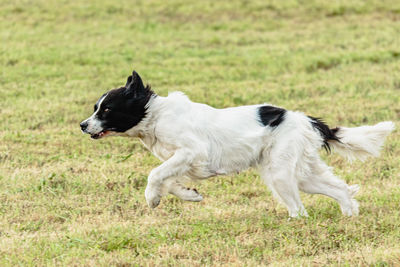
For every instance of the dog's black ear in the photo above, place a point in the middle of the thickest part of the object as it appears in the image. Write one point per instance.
(129, 81)
(134, 84)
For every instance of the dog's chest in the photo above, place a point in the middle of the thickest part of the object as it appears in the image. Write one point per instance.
(161, 150)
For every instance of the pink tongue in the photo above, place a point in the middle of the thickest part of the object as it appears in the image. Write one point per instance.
(102, 133)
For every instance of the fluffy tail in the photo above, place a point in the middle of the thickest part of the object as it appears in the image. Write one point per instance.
(360, 142)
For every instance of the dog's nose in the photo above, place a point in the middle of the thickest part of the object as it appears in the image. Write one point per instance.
(83, 125)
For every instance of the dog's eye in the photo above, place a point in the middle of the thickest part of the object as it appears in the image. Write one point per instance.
(107, 110)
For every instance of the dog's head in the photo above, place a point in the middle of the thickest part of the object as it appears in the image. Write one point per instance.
(119, 109)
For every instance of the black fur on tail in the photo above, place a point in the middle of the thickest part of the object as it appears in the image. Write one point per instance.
(326, 133)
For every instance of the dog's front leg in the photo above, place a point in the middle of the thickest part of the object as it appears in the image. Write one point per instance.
(177, 165)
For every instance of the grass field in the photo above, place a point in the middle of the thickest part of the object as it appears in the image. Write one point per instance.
(68, 200)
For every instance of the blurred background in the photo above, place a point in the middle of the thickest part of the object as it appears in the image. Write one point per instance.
(66, 199)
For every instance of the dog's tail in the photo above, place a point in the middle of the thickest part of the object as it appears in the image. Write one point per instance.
(355, 143)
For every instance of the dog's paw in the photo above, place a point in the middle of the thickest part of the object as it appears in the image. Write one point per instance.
(185, 193)
(153, 197)
(297, 214)
(352, 209)
(193, 195)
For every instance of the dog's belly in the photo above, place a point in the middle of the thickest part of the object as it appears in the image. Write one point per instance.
(217, 160)
(233, 159)
(200, 170)
(209, 168)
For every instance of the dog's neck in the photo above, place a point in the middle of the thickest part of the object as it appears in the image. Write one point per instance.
(145, 128)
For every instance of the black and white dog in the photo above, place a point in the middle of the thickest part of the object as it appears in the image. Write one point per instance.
(196, 141)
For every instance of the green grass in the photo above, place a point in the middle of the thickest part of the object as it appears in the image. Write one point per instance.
(68, 200)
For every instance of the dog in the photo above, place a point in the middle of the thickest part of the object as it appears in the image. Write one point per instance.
(196, 141)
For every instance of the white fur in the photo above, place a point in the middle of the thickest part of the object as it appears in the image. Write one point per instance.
(362, 142)
(93, 123)
(197, 141)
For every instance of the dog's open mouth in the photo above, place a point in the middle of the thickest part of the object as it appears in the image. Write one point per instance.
(99, 135)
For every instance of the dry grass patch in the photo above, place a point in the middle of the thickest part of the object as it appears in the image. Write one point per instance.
(67, 200)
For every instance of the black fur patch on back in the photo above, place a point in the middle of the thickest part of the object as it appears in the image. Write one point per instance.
(326, 133)
(271, 116)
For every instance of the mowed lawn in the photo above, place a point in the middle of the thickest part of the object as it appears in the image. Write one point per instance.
(68, 200)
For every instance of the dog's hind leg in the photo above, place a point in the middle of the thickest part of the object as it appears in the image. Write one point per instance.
(323, 181)
(279, 177)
